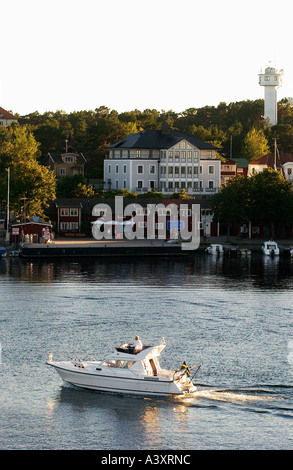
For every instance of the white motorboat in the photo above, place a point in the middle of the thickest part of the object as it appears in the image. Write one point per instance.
(215, 249)
(126, 371)
(270, 248)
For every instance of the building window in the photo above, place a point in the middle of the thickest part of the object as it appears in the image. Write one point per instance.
(176, 170)
(140, 169)
(211, 170)
(124, 169)
(64, 226)
(124, 184)
(183, 170)
(117, 169)
(74, 212)
(152, 169)
(189, 171)
(140, 184)
(62, 171)
(170, 171)
(138, 154)
(116, 184)
(109, 168)
(69, 159)
(73, 225)
(64, 212)
(195, 170)
(170, 156)
(211, 185)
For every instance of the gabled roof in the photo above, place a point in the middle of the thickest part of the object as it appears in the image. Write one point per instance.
(156, 139)
(269, 159)
(6, 114)
(57, 157)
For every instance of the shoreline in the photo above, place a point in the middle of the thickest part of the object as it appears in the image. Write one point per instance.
(124, 247)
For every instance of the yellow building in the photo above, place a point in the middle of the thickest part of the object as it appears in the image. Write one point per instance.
(66, 164)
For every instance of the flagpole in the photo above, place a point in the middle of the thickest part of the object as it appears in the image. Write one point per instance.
(8, 204)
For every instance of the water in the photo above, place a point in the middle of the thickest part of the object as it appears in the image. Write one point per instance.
(232, 316)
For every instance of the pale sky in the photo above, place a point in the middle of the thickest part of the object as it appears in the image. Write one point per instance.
(77, 55)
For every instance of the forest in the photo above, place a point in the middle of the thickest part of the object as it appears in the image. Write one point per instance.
(233, 128)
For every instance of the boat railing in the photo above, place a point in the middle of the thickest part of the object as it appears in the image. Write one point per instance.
(59, 357)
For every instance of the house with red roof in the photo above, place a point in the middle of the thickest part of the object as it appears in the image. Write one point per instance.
(278, 160)
(6, 118)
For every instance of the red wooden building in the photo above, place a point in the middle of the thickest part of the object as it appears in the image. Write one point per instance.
(31, 232)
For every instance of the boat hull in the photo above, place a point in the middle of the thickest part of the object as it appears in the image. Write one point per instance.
(103, 382)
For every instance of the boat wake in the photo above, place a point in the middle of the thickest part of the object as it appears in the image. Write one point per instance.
(230, 396)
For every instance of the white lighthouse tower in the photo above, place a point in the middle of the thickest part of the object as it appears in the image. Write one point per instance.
(271, 79)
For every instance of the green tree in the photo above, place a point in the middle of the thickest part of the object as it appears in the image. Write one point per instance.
(270, 199)
(266, 197)
(255, 145)
(231, 203)
(33, 183)
(29, 181)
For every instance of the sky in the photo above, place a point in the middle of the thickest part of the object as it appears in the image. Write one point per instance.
(140, 54)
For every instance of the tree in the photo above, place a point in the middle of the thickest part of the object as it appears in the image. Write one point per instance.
(231, 203)
(266, 197)
(255, 145)
(35, 184)
(270, 199)
(29, 181)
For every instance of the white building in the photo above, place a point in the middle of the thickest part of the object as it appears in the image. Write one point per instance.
(280, 161)
(165, 161)
(271, 80)
(6, 118)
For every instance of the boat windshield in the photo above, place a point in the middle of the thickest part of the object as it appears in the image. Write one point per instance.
(118, 363)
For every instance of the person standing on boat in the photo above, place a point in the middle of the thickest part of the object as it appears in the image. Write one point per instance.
(137, 345)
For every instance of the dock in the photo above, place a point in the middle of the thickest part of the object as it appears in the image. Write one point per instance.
(101, 248)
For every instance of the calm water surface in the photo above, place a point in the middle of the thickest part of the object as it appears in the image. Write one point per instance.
(232, 316)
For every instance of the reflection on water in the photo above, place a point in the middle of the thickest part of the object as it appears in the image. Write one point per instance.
(257, 270)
